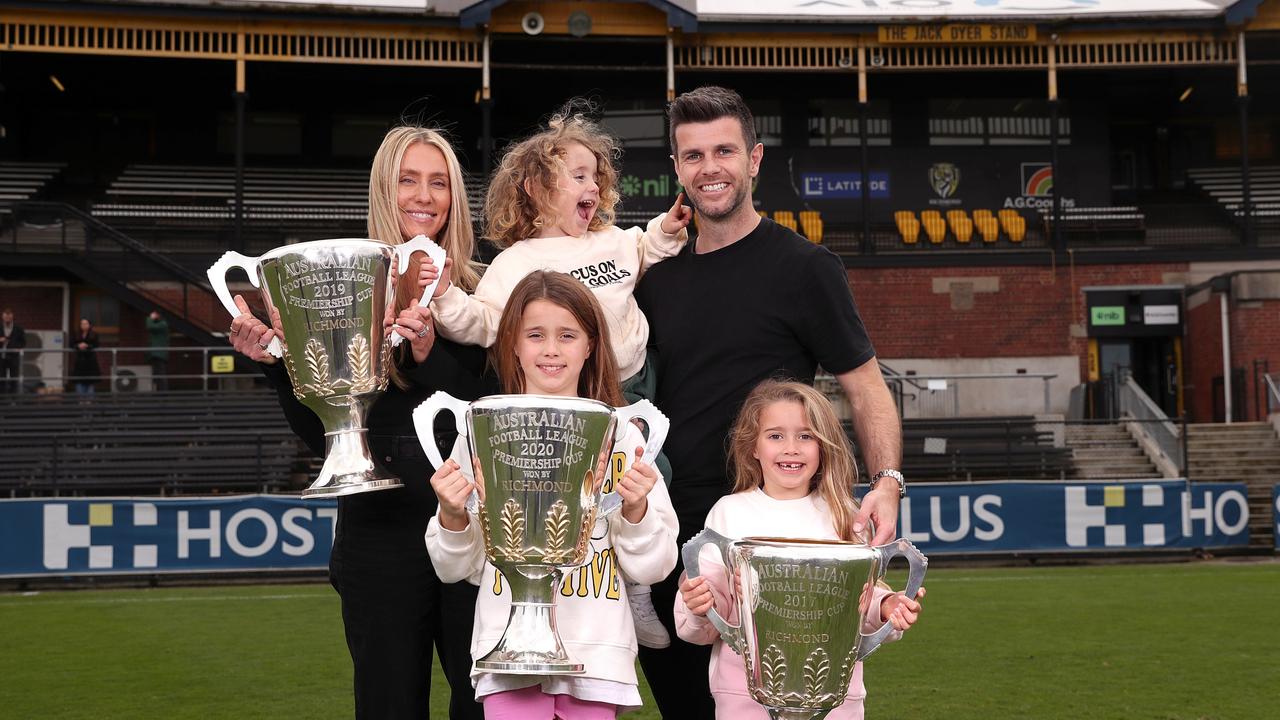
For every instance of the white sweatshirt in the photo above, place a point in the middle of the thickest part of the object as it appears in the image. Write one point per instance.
(592, 614)
(608, 261)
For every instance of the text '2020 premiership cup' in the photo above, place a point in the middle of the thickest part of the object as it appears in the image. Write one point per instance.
(540, 464)
(327, 300)
(801, 606)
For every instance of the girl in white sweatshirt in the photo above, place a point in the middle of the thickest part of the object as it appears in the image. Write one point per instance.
(550, 206)
(551, 340)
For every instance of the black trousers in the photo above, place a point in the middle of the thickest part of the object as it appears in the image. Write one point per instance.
(9, 373)
(394, 613)
(678, 674)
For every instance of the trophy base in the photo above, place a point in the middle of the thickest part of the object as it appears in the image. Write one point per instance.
(339, 489)
(520, 668)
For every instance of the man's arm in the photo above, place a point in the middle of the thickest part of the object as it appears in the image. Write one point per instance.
(875, 422)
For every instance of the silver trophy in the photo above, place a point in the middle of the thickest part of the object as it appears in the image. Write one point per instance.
(801, 606)
(328, 298)
(540, 463)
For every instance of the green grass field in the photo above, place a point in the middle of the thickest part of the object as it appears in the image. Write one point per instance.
(1168, 641)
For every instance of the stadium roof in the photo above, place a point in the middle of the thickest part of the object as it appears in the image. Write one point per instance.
(774, 11)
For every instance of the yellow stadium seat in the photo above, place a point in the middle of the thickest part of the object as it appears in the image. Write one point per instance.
(961, 225)
(987, 225)
(908, 225)
(1014, 225)
(934, 226)
(811, 223)
(786, 219)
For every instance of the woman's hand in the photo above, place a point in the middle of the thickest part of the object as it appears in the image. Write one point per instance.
(452, 488)
(634, 487)
(696, 594)
(250, 336)
(416, 325)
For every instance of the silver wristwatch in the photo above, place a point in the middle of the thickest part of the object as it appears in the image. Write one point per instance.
(902, 481)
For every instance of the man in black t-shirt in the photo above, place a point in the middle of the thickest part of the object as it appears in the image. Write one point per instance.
(747, 301)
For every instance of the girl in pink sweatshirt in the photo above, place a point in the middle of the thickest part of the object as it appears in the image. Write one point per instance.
(795, 475)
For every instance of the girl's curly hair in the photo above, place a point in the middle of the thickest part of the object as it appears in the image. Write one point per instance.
(512, 213)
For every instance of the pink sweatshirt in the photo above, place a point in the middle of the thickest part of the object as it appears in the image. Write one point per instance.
(746, 514)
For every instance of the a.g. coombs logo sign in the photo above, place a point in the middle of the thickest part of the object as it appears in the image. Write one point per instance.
(1036, 188)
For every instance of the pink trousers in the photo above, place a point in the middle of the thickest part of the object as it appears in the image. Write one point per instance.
(532, 704)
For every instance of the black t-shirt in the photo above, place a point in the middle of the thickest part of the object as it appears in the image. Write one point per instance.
(770, 305)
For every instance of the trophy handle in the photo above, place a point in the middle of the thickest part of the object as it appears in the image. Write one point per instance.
(218, 279)
(915, 579)
(731, 634)
(405, 250)
(424, 422)
(654, 419)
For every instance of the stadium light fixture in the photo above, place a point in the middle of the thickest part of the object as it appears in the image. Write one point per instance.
(57, 83)
(1186, 93)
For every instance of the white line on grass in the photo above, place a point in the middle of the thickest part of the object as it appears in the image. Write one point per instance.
(29, 601)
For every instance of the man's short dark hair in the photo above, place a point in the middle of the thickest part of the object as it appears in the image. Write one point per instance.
(707, 104)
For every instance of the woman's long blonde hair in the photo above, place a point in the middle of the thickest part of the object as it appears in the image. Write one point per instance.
(837, 470)
(513, 213)
(456, 237)
(599, 377)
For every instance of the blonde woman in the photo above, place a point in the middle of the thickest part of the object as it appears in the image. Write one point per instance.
(394, 607)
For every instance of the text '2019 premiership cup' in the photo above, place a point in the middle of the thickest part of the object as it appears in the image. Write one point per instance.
(327, 300)
(801, 606)
(540, 463)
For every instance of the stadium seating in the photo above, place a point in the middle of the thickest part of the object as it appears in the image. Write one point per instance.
(908, 226)
(21, 181)
(989, 448)
(934, 226)
(786, 219)
(1225, 185)
(1013, 224)
(811, 223)
(988, 226)
(162, 443)
(1101, 223)
(961, 225)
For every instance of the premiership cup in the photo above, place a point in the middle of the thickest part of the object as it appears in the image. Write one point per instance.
(540, 463)
(327, 300)
(801, 606)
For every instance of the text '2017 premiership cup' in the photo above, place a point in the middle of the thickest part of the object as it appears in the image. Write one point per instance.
(801, 606)
(540, 463)
(327, 300)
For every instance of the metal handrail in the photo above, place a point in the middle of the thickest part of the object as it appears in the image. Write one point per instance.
(205, 375)
(1273, 394)
(1167, 436)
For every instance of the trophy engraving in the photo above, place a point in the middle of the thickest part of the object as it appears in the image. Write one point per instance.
(538, 470)
(327, 300)
(801, 603)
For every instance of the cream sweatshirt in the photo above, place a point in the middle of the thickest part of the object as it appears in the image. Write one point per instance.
(608, 261)
(592, 614)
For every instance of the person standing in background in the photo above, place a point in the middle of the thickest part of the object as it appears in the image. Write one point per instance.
(86, 372)
(158, 355)
(12, 339)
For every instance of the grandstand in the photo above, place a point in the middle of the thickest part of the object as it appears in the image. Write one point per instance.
(1089, 193)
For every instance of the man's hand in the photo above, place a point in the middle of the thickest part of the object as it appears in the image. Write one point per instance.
(881, 506)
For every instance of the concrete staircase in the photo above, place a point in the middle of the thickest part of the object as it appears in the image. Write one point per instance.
(1107, 452)
(1247, 452)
